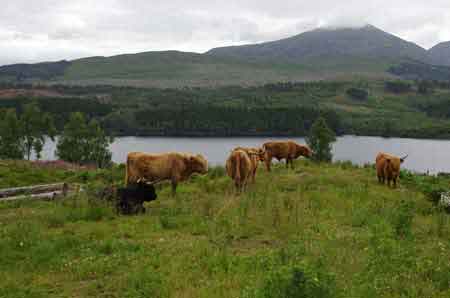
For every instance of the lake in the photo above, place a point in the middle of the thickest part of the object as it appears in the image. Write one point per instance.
(424, 155)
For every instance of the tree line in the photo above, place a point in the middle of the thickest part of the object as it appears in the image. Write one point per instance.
(81, 141)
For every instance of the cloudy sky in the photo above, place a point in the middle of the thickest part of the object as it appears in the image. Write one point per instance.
(32, 31)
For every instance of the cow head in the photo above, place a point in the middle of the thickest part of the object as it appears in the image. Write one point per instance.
(305, 151)
(259, 153)
(198, 164)
(393, 166)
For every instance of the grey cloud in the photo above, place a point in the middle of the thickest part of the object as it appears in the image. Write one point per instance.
(51, 30)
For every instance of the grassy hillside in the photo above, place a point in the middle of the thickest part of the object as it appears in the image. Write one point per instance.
(317, 231)
(178, 69)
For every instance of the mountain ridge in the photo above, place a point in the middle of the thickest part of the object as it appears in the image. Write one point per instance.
(322, 53)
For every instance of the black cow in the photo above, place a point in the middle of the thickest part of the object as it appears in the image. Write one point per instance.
(130, 199)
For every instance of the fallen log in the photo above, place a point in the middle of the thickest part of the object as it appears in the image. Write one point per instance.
(39, 196)
(36, 189)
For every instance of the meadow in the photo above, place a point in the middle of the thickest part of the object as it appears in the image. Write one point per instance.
(321, 230)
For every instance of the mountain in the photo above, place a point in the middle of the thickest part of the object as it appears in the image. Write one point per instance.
(321, 54)
(440, 54)
(365, 42)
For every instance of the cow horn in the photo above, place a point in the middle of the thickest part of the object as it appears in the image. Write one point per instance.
(153, 182)
(403, 158)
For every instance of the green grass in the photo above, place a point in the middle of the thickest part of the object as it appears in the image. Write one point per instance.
(24, 173)
(317, 231)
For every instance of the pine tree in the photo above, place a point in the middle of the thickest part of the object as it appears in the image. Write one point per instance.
(320, 140)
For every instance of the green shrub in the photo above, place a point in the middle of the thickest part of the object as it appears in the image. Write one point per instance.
(296, 281)
(402, 218)
(359, 94)
(145, 283)
(397, 87)
(167, 219)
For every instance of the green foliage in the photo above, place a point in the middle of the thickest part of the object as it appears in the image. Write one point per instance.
(274, 109)
(402, 218)
(144, 283)
(36, 126)
(424, 87)
(397, 86)
(11, 136)
(359, 94)
(297, 281)
(320, 140)
(84, 143)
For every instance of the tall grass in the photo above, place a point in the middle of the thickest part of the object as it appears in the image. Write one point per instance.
(317, 231)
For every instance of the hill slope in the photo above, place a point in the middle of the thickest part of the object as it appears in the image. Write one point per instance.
(440, 54)
(319, 231)
(315, 55)
(366, 42)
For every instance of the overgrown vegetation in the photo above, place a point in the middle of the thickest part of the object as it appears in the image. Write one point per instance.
(321, 231)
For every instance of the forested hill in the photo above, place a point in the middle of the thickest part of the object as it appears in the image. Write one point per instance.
(384, 108)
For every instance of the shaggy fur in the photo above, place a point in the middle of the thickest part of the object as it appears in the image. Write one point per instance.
(388, 168)
(239, 167)
(288, 150)
(172, 166)
(256, 155)
(130, 199)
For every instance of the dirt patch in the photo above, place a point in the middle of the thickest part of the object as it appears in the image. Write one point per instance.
(13, 93)
(61, 165)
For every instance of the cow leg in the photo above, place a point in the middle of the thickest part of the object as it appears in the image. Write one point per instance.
(268, 161)
(389, 182)
(174, 186)
(253, 176)
(287, 162)
(395, 182)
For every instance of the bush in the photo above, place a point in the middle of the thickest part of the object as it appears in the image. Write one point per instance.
(397, 87)
(359, 94)
(297, 281)
(402, 218)
(145, 283)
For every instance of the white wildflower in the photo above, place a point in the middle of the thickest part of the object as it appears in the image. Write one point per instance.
(445, 199)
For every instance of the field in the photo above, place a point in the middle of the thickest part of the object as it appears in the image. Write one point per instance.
(316, 231)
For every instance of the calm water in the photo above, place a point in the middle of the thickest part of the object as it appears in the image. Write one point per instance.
(424, 155)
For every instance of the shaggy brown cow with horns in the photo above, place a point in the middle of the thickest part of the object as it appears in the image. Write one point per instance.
(288, 150)
(241, 166)
(388, 168)
(171, 166)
